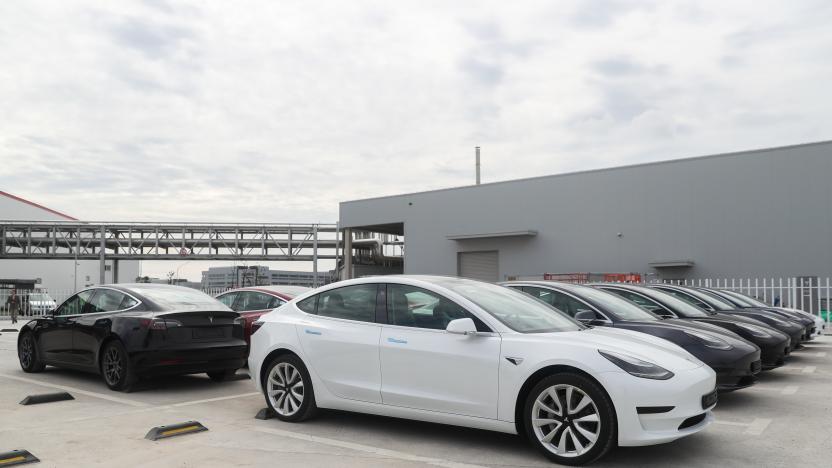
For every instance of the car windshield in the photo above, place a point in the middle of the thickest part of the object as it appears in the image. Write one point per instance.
(42, 297)
(179, 298)
(712, 300)
(615, 305)
(516, 310)
(735, 298)
(675, 304)
(749, 299)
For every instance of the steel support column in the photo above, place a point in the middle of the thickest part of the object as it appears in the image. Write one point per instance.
(347, 254)
(315, 256)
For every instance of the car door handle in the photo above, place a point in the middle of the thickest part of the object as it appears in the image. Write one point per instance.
(312, 332)
(396, 341)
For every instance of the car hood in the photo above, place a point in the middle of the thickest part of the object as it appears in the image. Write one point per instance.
(636, 344)
(702, 326)
(705, 328)
(738, 318)
(788, 315)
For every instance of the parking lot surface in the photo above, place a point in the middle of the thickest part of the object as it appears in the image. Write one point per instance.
(786, 419)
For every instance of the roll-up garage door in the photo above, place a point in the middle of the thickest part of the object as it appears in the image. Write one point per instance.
(478, 265)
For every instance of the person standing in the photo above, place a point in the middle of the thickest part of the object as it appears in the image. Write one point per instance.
(13, 304)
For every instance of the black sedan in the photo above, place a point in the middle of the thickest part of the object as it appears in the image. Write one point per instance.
(743, 303)
(125, 332)
(774, 346)
(713, 303)
(730, 356)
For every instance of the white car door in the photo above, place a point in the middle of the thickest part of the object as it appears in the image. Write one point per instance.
(341, 341)
(425, 367)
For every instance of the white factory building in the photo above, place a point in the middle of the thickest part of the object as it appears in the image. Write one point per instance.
(59, 278)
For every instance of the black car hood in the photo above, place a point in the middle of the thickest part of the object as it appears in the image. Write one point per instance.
(681, 326)
(737, 319)
(785, 315)
(703, 326)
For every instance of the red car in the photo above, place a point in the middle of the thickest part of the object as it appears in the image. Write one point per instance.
(255, 301)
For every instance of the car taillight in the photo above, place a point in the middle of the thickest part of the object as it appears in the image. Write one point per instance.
(256, 326)
(160, 324)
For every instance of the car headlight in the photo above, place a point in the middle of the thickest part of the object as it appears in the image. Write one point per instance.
(709, 340)
(636, 367)
(755, 330)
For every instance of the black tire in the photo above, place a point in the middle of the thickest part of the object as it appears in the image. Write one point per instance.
(116, 368)
(27, 354)
(223, 375)
(600, 407)
(307, 407)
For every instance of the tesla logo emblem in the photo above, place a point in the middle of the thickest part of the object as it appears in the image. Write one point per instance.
(211, 319)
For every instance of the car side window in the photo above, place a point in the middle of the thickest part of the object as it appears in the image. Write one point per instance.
(409, 306)
(75, 305)
(309, 304)
(561, 301)
(228, 299)
(351, 303)
(274, 302)
(105, 300)
(251, 300)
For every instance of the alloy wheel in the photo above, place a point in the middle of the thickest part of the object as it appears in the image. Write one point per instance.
(113, 366)
(565, 420)
(26, 351)
(285, 389)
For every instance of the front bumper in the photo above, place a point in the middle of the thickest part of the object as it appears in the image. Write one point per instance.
(728, 380)
(774, 354)
(684, 393)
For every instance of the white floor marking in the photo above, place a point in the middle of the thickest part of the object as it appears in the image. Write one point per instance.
(820, 354)
(730, 423)
(367, 449)
(755, 427)
(790, 390)
(65, 388)
(758, 426)
(804, 369)
(209, 400)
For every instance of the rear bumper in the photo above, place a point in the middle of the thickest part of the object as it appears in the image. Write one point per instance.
(191, 360)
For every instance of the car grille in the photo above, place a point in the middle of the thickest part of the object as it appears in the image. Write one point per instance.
(756, 367)
(709, 399)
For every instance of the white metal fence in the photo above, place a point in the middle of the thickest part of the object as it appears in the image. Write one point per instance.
(811, 294)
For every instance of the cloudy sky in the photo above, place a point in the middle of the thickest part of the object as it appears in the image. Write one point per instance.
(278, 110)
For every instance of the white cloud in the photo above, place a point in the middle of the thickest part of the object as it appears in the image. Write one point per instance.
(276, 111)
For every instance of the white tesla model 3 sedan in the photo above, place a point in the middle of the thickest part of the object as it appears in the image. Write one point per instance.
(468, 353)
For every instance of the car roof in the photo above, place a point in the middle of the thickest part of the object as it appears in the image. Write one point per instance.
(572, 287)
(282, 291)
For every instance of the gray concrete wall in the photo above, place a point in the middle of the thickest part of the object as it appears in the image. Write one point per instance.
(758, 213)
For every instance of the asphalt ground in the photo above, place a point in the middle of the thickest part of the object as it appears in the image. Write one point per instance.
(784, 420)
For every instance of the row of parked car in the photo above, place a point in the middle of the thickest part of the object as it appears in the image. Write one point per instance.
(577, 369)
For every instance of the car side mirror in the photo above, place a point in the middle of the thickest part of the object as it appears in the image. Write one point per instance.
(463, 326)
